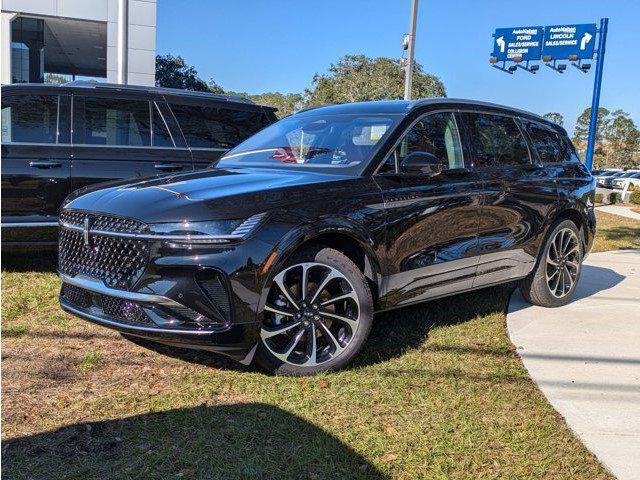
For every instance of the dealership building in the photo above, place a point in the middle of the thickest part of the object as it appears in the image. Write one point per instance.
(109, 40)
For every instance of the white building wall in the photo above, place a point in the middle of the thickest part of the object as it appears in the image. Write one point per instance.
(141, 38)
(141, 59)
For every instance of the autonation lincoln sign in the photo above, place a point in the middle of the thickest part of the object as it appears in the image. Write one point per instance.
(554, 41)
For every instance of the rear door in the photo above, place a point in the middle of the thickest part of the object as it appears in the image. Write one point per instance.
(119, 137)
(432, 220)
(519, 195)
(210, 129)
(36, 156)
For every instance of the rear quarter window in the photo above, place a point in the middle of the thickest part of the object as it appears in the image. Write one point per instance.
(214, 127)
(550, 145)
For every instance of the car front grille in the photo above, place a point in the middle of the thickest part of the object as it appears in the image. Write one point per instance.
(116, 260)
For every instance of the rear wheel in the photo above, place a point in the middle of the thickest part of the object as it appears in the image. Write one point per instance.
(553, 281)
(317, 316)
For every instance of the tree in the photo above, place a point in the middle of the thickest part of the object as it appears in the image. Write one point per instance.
(623, 139)
(581, 132)
(554, 117)
(55, 79)
(173, 72)
(617, 137)
(214, 87)
(357, 78)
(286, 103)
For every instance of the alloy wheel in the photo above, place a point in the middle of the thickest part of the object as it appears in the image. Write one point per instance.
(563, 262)
(311, 314)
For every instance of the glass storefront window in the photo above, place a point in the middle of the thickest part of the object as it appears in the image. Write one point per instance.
(27, 50)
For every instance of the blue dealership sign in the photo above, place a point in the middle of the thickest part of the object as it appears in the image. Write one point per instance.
(525, 42)
(562, 41)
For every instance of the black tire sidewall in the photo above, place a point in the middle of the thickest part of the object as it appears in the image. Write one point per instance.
(339, 261)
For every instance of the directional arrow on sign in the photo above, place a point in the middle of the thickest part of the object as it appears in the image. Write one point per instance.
(585, 39)
(501, 44)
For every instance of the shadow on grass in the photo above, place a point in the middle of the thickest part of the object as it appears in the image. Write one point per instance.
(199, 357)
(30, 261)
(227, 441)
(397, 331)
(629, 234)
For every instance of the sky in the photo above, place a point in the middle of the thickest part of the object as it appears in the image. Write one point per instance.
(278, 45)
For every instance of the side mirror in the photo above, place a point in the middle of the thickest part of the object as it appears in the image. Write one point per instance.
(421, 163)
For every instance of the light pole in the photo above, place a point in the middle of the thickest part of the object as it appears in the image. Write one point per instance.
(408, 75)
(123, 41)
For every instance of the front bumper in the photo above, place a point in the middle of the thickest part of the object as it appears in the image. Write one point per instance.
(202, 297)
(154, 317)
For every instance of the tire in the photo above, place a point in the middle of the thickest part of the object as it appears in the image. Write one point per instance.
(543, 286)
(337, 341)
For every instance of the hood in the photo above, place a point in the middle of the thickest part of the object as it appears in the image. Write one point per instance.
(203, 195)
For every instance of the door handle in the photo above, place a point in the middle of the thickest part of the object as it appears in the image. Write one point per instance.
(45, 164)
(168, 167)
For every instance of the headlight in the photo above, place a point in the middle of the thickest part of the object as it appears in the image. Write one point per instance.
(218, 231)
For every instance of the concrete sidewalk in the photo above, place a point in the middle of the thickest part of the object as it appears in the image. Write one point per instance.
(585, 357)
(619, 210)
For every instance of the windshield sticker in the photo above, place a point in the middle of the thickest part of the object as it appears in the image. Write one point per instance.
(377, 131)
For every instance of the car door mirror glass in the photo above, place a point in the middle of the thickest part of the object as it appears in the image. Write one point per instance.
(422, 163)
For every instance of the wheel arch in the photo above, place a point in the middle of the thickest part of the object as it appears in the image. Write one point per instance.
(578, 217)
(348, 239)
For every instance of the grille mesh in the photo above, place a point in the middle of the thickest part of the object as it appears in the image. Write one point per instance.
(76, 296)
(124, 310)
(118, 262)
(217, 292)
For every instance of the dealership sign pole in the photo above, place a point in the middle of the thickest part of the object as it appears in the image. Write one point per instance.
(595, 102)
(550, 44)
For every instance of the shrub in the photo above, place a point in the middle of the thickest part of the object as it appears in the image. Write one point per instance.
(614, 197)
(599, 197)
(635, 197)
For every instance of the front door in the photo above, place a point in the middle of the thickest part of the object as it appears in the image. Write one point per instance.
(432, 215)
(121, 138)
(36, 158)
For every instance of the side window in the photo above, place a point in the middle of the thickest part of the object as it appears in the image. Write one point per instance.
(161, 136)
(549, 144)
(495, 140)
(212, 127)
(113, 121)
(437, 135)
(30, 118)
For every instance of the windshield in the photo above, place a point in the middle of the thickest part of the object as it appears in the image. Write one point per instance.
(344, 143)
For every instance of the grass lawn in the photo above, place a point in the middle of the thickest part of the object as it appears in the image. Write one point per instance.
(616, 232)
(439, 392)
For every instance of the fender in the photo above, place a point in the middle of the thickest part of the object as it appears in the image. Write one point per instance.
(309, 229)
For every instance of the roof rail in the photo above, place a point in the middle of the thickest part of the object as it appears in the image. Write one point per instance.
(435, 100)
(160, 90)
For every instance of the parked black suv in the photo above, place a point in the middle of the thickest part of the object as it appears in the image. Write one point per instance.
(284, 251)
(56, 139)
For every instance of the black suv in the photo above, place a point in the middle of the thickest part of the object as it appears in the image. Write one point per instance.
(57, 139)
(285, 250)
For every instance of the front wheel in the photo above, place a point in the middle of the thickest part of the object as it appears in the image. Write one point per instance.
(557, 271)
(317, 316)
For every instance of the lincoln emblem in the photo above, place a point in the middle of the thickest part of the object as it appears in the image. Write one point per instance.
(85, 231)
